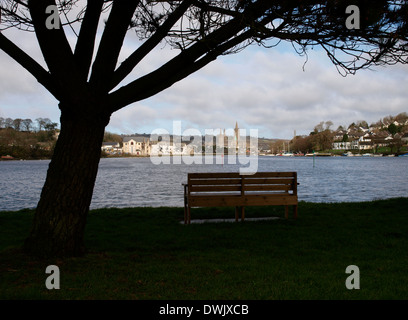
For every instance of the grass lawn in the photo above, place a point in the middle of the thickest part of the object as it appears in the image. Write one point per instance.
(145, 253)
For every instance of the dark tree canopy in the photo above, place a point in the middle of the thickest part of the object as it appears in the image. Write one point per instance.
(201, 30)
(90, 83)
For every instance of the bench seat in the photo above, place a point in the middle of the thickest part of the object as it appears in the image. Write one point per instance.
(239, 191)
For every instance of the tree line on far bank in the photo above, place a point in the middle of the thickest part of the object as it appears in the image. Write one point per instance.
(28, 125)
(322, 137)
(27, 139)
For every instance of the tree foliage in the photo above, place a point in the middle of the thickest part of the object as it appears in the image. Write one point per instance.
(392, 128)
(201, 30)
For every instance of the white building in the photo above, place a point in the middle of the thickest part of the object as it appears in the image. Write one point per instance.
(138, 146)
(164, 148)
(111, 147)
(349, 145)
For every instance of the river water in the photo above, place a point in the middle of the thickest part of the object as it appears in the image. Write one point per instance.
(138, 182)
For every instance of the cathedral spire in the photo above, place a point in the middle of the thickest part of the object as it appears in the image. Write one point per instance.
(236, 131)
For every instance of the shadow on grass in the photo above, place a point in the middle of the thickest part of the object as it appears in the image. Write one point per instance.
(145, 253)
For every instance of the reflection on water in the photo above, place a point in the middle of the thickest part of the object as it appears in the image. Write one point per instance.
(130, 182)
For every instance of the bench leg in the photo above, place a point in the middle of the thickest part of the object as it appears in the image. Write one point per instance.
(295, 211)
(185, 204)
(185, 213)
(286, 212)
(239, 211)
(188, 215)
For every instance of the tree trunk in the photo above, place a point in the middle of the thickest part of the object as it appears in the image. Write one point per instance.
(60, 217)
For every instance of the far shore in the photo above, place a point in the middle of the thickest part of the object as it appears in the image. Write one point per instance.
(5, 159)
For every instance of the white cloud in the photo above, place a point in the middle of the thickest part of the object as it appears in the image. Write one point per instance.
(264, 89)
(269, 90)
(133, 119)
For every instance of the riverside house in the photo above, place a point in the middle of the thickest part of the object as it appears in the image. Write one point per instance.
(137, 146)
(111, 147)
(405, 138)
(163, 148)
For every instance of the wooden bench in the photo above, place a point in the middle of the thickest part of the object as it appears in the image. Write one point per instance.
(236, 190)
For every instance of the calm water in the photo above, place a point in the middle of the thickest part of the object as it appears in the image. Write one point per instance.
(129, 182)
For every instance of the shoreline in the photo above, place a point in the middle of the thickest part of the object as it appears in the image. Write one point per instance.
(259, 155)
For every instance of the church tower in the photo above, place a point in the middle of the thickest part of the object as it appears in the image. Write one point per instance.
(236, 136)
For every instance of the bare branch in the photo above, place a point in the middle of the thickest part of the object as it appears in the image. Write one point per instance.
(131, 62)
(111, 42)
(86, 40)
(29, 64)
(56, 49)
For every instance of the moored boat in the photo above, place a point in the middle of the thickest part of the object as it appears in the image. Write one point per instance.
(8, 157)
(348, 154)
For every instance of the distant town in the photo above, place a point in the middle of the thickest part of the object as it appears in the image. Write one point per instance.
(386, 137)
(27, 139)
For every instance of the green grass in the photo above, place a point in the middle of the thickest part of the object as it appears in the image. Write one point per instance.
(145, 253)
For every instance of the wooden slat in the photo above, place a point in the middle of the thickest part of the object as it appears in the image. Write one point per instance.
(237, 200)
(214, 181)
(278, 199)
(270, 174)
(238, 181)
(214, 175)
(295, 183)
(207, 175)
(267, 187)
(195, 188)
(215, 201)
(268, 181)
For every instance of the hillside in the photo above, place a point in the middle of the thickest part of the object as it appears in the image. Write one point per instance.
(22, 139)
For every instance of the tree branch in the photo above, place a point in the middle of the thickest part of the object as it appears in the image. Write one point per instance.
(86, 40)
(175, 70)
(131, 62)
(29, 64)
(111, 43)
(209, 8)
(56, 51)
(155, 82)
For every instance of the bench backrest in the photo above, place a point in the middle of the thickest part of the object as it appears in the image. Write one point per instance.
(237, 184)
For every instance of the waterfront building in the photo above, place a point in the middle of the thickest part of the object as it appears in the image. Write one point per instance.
(138, 146)
(111, 147)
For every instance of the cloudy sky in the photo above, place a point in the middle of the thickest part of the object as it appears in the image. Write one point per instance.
(265, 89)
